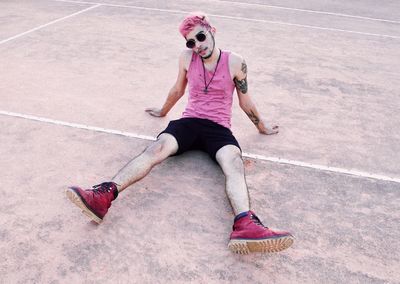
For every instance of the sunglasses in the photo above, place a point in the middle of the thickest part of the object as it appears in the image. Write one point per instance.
(200, 37)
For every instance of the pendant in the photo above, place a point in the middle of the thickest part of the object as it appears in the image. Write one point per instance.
(205, 90)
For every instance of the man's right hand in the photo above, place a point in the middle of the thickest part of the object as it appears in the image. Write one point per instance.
(154, 112)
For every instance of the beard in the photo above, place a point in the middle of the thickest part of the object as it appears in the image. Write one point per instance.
(212, 49)
(206, 56)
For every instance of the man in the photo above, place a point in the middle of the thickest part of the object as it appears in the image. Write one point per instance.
(212, 75)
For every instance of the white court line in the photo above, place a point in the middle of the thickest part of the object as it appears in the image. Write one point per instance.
(234, 18)
(248, 155)
(48, 24)
(77, 125)
(309, 11)
(321, 168)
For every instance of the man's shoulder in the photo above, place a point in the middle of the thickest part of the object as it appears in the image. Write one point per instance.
(235, 63)
(186, 54)
(185, 57)
(235, 59)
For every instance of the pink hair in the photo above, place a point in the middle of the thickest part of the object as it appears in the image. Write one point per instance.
(192, 20)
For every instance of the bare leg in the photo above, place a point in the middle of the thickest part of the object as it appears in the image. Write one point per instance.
(230, 160)
(141, 165)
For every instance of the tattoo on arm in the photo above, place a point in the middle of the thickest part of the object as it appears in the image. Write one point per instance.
(244, 67)
(253, 117)
(242, 84)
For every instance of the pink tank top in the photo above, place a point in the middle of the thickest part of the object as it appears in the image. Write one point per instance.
(216, 104)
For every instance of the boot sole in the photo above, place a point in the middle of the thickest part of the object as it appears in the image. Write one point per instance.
(77, 200)
(267, 245)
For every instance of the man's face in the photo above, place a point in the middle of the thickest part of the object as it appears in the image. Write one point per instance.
(203, 48)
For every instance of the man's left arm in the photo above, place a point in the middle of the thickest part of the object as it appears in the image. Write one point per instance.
(247, 105)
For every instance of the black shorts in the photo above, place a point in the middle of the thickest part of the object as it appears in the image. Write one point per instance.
(200, 134)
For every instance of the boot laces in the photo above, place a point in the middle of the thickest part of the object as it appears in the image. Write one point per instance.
(257, 221)
(102, 187)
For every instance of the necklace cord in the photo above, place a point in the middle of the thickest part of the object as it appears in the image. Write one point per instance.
(215, 71)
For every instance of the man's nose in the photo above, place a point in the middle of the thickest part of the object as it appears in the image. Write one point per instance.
(198, 43)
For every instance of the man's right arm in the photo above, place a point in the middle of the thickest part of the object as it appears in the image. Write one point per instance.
(178, 90)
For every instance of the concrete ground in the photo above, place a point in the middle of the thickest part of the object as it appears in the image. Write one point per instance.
(326, 72)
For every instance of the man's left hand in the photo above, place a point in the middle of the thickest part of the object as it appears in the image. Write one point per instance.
(265, 129)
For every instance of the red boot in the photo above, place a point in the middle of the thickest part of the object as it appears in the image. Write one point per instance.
(250, 235)
(94, 202)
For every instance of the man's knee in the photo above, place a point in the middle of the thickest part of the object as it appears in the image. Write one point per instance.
(230, 159)
(165, 146)
(237, 162)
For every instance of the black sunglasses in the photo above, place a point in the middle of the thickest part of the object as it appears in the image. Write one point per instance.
(201, 36)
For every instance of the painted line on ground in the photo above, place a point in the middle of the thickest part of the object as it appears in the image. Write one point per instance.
(235, 18)
(77, 125)
(48, 24)
(322, 168)
(309, 11)
(247, 155)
